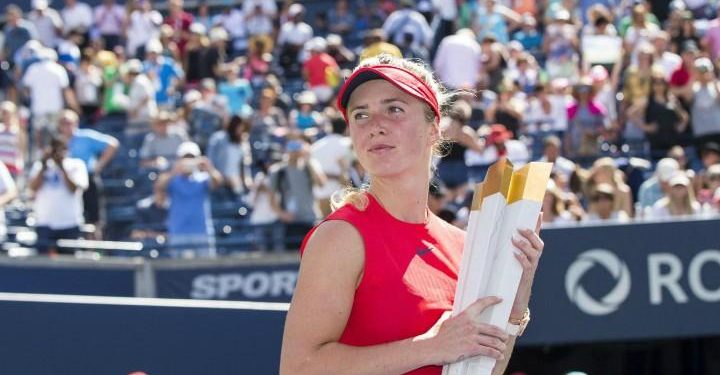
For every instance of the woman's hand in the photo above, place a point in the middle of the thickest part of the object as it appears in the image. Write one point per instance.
(456, 338)
(530, 247)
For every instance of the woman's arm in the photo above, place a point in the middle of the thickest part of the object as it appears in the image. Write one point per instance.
(330, 272)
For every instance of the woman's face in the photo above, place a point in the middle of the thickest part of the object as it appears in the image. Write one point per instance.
(389, 131)
(678, 192)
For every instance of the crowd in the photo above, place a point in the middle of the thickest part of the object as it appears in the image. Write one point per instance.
(219, 122)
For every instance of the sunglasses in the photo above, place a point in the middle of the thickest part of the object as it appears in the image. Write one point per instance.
(599, 197)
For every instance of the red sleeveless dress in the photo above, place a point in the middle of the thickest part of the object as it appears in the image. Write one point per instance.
(409, 279)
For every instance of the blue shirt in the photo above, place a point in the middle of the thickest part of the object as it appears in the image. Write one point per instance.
(531, 41)
(238, 95)
(87, 145)
(165, 70)
(189, 211)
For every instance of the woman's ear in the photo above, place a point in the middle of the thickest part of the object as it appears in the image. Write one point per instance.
(435, 133)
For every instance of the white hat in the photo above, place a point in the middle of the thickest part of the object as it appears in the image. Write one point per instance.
(191, 96)
(306, 97)
(666, 169)
(40, 4)
(188, 148)
(217, 34)
(680, 179)
(154, 45)
(198, 28)
(317, 43)
(134, 66)
(295, 9)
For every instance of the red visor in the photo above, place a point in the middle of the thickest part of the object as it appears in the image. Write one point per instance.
(401, 78)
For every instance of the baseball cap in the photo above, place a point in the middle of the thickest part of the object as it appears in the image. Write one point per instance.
(666, 169)
(401, 78)
(188, 148)
(680, 179)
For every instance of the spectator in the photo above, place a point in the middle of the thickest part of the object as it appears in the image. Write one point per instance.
(160, 146)
(686, 32)
(197, 52)
(234, 22)
(95, 150)
(87, 85)
(227, 152)
(268, 230)
(452, 169)
(711, 38)
(561, 45)
(538, 115)
(143, 26)
(605, 88)
(237, 91)
(217, 54)
(260, 15)
(508, 110)
(709, 195)
(333, 153)
(458, 62)
(264, 121)
(587, 122)
(77, 16)
(664, 120)
(142, 106)
(705, 99)
(678, 201)
(684, 75)
(47, 22)
(496, 20)
(498, 143)
(657, 186)
(179, 21)
(374, 44)
(603, 206)
(599, 21)
(320, 70)
(555, 210)
(48, 84)
(57, 182)
(341, 19)
(342, 55)
(605, 171)
(292, 37)
(669, 61)
(258, 63)
(293, 180)
(165, 74)
(110, 20)
(562, 166)
(407, 21)
(13, 140)
(188, 186)
(305, 118)
(8, 192)
(640, 30)
(529, 36)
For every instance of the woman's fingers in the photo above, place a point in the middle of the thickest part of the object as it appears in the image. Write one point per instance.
(492, 342)
(533, 238)
(480, 305)
(493, 331)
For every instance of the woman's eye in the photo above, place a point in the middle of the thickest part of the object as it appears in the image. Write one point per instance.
(359, 116)
(394, 109)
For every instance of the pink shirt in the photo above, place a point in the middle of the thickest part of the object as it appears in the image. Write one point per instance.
(712, 36)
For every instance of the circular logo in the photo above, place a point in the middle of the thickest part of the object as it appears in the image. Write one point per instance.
(584, 301)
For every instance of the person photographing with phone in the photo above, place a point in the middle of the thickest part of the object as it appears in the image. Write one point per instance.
(378, 276)
(187, 188)
(58, 183)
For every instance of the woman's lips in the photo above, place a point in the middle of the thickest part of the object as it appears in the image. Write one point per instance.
(381, 148)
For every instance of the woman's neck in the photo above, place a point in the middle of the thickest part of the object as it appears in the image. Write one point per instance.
(405, 199)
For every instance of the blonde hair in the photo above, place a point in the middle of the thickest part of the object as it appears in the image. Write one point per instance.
(358, 196)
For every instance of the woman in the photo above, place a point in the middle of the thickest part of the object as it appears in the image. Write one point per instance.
(605, 172)
(587, 124)
(603, 206)
(13, 139)
(364, 303)
(678, 201)
(226, 152)
(665, 120)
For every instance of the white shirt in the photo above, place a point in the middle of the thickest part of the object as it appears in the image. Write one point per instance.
(446, 9)
(559, 105)
(143, 27)
(328, 152)
(140, 89)
(234, 23)
(458, 61)
(46, 25)
(78, 17)
(669, 62)
(408, 21)
(517, 153)
(262, 212)
(268, 6)
(109, 20)
(46, 81)
(55, 205)
(295, 33)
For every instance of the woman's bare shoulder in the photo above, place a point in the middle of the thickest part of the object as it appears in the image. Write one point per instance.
(337, 243)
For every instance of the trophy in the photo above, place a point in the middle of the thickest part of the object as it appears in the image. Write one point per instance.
(504, 202)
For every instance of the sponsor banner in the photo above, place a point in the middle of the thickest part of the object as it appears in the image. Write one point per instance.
(60, 277)
(264, 283)
(627, 282)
